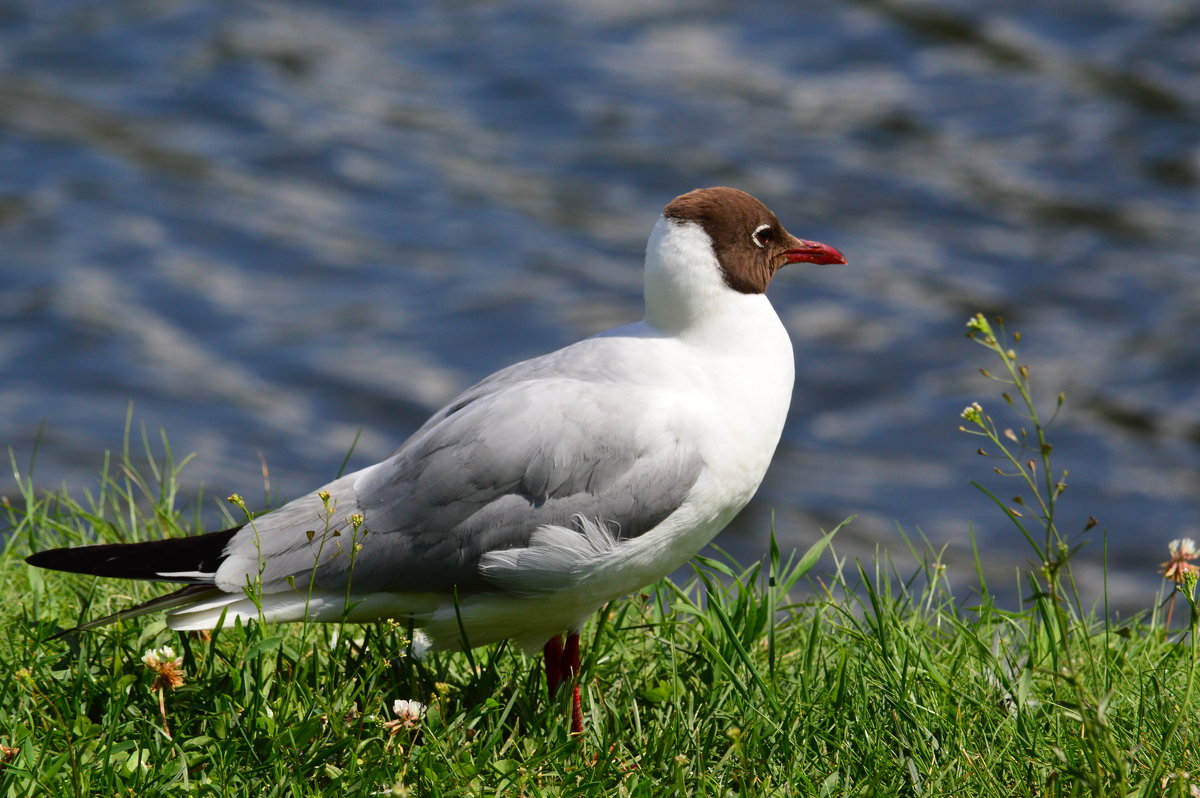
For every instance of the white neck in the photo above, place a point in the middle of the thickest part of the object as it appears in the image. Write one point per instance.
(683, 281)
(685, 292)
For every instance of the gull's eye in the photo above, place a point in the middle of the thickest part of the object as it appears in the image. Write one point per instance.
(763, 235)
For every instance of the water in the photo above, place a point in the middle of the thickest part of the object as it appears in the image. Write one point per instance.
(271, 225)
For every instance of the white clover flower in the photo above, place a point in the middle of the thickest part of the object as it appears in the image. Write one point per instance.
(167, 667)
(409, 712)
(156, 658)
(408, 715)
(1183, 552)
(1184, 548)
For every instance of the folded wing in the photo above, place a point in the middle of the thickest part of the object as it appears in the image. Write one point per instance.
(523, 450)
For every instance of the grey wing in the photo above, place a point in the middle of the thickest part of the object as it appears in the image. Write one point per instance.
(507, 458)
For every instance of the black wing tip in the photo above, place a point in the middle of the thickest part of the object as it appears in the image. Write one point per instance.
(144, 560)
(100, 560)
(42, 559)
(71, 558)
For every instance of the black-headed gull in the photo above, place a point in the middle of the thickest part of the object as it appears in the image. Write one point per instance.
(544, 491)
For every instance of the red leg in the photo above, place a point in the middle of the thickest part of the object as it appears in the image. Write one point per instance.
(576, 713)
(552, 654)
(570, 673)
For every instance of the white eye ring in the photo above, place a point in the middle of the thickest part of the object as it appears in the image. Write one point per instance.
(754, 235)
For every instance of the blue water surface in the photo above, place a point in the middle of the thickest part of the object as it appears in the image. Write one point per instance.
(273, 226)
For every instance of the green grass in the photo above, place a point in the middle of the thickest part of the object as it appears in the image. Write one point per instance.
(850, 679)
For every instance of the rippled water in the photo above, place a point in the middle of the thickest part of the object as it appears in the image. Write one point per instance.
(272, 224)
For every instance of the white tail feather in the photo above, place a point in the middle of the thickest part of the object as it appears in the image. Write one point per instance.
(318, 606)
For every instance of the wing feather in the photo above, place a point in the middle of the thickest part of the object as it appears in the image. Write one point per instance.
(534, 446)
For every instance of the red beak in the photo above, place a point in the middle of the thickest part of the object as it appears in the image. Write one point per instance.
(813, 252)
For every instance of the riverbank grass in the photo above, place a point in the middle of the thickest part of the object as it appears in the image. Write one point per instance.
(800, 675)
